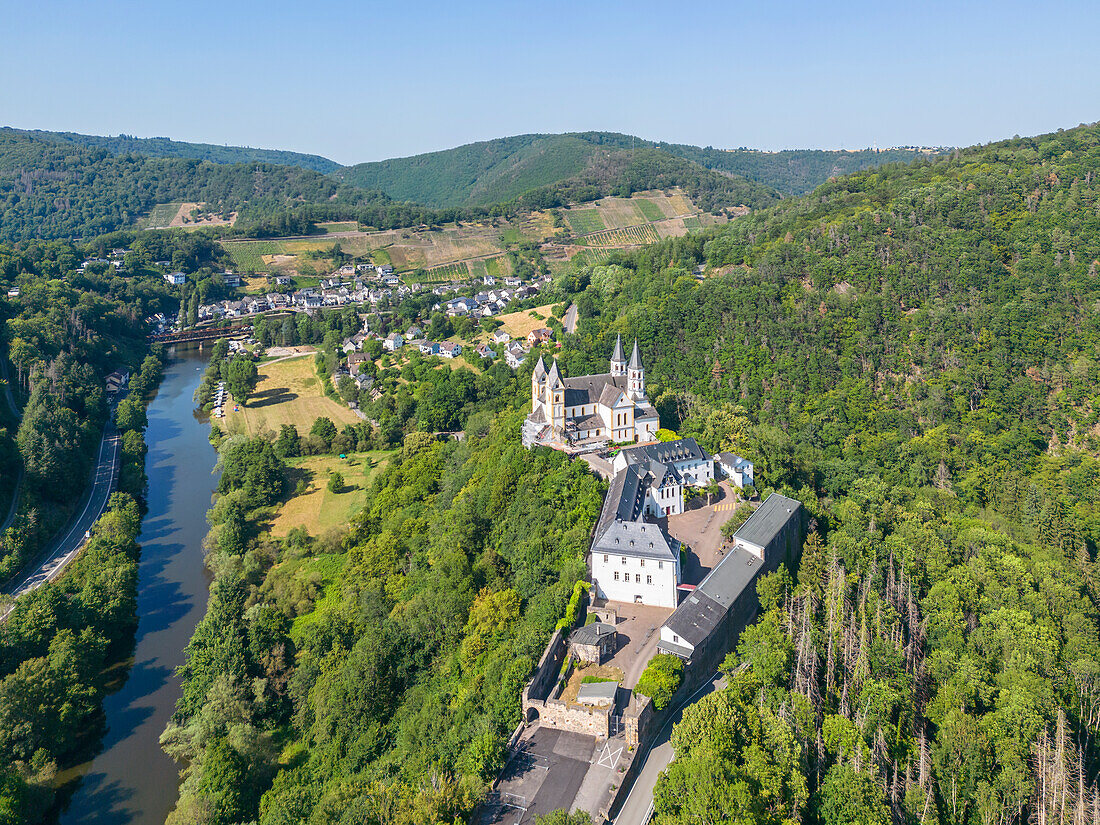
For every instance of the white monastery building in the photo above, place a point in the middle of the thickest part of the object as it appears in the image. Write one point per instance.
(590, 411)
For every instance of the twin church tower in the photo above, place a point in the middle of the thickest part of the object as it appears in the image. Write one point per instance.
(589, 411)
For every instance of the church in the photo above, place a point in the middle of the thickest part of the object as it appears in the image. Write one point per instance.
(590, 411)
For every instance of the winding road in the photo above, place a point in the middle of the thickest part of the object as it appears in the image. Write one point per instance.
(65, 545)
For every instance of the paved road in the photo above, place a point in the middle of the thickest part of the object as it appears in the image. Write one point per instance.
(638, 807)
(14, 507)
(570, 319)
(64, 547)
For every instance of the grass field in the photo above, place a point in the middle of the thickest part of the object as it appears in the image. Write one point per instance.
(338, 226)
(319, 509)
(162, 214)
(650, 211)
(583, 221)
(692, 224)
(519, 324)
(288, 392)
(248, 255)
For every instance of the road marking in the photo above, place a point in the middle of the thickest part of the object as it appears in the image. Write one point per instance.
(609, 758)
(727, 506)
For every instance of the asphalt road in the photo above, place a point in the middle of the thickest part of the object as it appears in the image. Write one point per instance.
(64, 547)
(570, 319)
(638, 807)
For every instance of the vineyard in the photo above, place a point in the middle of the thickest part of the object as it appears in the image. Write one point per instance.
(248, 255)
(161, 214)
(632, 235)
(585, 221)
(692, 224)
(590, 257)
(649, 210)
(448, 272)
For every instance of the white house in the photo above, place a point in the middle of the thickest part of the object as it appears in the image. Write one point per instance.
(175, 278)
(738, 470)
(501, 336)
(674, 465)
(515, 354)
(393, 342)
(636, 562)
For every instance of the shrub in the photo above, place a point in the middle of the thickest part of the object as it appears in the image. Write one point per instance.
(572, 610)
(661, 679)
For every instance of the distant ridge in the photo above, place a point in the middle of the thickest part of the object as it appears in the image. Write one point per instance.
(162, 147)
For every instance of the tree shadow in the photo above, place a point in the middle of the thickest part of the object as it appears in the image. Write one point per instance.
(269, 398)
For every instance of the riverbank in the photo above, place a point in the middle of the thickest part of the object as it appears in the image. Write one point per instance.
(131, 781)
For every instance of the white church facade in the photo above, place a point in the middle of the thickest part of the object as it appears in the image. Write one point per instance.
(591, 411)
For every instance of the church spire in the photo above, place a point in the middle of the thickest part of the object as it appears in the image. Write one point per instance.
(635, 359)
(635, 376)
(618, 360)
(554, 378)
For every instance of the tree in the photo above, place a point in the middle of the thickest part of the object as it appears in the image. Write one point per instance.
(335, 482)
(241, 378)
(661, 679)
(324, 429)
(130, 415)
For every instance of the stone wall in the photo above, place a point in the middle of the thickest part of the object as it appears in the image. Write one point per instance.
(546, 674)
(591, 721)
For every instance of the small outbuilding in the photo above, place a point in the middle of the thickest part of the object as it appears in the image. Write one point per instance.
(593, 642)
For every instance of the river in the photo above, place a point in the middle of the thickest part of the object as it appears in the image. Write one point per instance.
(132, 781)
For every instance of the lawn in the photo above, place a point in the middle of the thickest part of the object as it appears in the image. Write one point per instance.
(318, 509)
(288, 392)
(583, 221)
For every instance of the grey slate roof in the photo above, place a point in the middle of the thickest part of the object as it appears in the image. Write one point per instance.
(624, 501)
(617, 355)
(590, 634)
(768, 520)
(635, 359)
(636, 539)
(683, 449)
(588, 389)
(597, 693)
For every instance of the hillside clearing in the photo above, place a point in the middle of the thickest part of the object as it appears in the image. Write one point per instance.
(318, 509)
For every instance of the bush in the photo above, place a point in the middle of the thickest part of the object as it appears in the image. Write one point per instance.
(335, 482)
(661, 679)
(572, 610)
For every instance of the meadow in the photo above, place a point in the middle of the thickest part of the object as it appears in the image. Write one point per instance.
(288, 392)
(318, 508)
(584, 221)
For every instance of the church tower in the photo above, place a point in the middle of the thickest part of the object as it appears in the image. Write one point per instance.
(538, 379)
(635, 375)
(555, 397)
(618, 360)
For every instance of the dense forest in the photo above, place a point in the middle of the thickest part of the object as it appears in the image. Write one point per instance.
(790, 171)
(162, 147)
(914, 351)
(50, 189)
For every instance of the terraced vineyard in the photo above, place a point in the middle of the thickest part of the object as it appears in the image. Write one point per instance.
(622, 237)
(457, 271)
(692, 224)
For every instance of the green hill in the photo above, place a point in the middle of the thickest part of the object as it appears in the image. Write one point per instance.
(52, 189)
(791, 171)
(486, 172)
(162, 147)
(499, 170)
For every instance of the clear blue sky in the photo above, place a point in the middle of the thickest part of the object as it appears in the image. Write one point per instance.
(360, 81)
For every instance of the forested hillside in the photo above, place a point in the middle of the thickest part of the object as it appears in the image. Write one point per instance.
(506, 168)
(914, 353)
(791, 171)
(548, 170)
(162, 147)
(50, 189)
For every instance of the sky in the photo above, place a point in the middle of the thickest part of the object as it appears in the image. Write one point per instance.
(360, 81)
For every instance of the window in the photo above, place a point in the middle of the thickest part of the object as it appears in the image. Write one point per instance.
(624, 559)
(649, 580)
(637, 578)
(642, 562)
(616, 575)
(660, 565)
(605, 558)
(675, 638)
